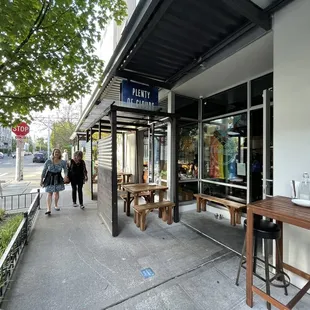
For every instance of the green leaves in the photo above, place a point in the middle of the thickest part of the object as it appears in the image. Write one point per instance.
(47, 52)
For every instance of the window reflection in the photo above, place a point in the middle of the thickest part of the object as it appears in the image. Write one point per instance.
(226, 192)
(228, 101)
(225, 153)
(188, 151)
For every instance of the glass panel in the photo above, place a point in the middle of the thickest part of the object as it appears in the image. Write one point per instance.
(257, 155)
(258, 86)
(187, 190)
(188, 150)
(160, 148)
(232, 100)
(225, 155)
(186, 107)
(145, 157)
(226, 192)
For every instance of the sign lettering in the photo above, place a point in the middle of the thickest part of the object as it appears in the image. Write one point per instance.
(139, 94)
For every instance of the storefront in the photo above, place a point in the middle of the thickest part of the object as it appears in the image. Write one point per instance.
(243, 115)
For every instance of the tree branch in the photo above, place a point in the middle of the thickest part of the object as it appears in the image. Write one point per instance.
(36, 26)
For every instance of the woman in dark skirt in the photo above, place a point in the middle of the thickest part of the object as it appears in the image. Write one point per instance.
(78, 176)
(52, 180)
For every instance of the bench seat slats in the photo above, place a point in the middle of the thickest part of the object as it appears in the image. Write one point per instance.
(234, 208)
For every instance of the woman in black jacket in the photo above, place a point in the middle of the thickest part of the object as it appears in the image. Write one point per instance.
(77, 174)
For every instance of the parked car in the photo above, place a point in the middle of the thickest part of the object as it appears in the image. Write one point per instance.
(13, 155)
(1, 155)
(39, 158)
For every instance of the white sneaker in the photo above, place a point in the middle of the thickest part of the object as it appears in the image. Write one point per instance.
(75, 205)
(82, 207)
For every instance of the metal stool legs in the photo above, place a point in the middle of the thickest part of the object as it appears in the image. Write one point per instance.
(241, 262)
(266, 245)
(280, 274)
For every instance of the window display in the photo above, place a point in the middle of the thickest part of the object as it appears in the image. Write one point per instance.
(225, 144)
(226, 192)
(188, 150)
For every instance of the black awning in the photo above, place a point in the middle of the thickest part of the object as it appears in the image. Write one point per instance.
(181, 34)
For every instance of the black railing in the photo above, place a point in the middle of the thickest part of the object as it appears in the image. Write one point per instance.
(10, 257)
(16, 202)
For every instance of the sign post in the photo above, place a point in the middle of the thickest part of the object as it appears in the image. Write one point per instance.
(21, 130)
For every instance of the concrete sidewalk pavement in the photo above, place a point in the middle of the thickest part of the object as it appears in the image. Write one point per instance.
(72, 262)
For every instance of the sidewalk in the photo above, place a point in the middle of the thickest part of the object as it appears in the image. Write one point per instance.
(72, 262)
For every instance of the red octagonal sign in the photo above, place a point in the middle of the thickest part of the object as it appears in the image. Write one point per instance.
(21, 129)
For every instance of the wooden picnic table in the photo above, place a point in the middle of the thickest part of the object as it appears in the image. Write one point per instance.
(282, 210)
(136, 189)
(125, 176)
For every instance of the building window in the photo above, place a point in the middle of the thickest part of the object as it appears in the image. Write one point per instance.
(258, 86)
(228, 101)
(188, 150)
(186, 107)
(225, 154)
(226, 192)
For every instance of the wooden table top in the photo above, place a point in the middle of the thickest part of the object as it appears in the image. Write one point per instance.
(123, 173)
(282, 209)
(137, 188)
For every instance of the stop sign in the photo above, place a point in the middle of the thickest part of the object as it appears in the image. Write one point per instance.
(21, 129)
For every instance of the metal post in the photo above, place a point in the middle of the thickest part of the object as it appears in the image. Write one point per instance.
(137, 176)
(78, 142)
(153, 151)
(19, 175)
(200, 146)
(174, 168)
(48, 137)
(39, 199)
(266, 143)
(91, 165)
(113, 120)
(26, 227)
(123, 151)
(248, 172)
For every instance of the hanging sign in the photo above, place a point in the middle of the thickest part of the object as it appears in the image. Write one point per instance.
(139, 94)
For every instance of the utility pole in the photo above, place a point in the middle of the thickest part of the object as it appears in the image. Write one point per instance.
(19, 172)
(48, 137)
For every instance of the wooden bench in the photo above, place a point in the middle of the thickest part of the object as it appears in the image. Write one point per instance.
(145, 195)
(141, 211)
(234, 208)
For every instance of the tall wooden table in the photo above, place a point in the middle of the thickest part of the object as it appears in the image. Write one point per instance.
(283, 211)
(136, 189)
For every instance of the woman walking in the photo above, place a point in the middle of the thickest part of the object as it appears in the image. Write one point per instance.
(52, 180)
(78, 176)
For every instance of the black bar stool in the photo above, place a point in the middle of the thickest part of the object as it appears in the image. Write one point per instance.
(266, 230)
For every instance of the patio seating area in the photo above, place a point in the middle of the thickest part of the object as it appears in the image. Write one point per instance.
(73, 262)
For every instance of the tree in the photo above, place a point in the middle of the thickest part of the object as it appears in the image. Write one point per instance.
(61, 132)
(41, 145)
(47, 52)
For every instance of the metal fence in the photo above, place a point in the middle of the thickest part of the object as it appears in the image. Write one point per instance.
(16, 202)
(10, 257)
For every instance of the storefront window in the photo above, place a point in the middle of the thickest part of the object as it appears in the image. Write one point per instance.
(188, 150)
(258, 86)
(227, 192)
(186, 107)
(228, 101)
(187, 190)
(225, 154)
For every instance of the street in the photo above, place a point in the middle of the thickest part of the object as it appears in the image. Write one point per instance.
(32, 174)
